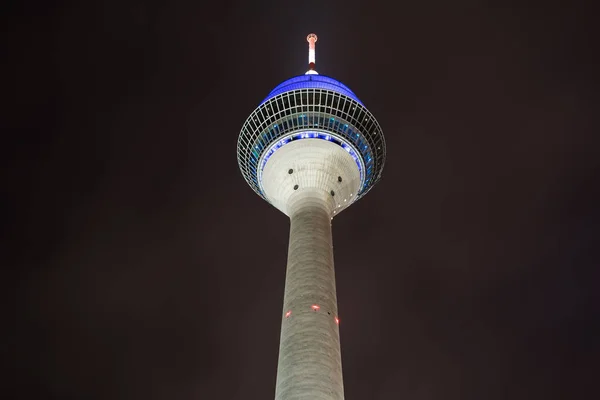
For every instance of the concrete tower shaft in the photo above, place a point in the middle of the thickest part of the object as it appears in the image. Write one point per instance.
(310, 364)
(310, 180)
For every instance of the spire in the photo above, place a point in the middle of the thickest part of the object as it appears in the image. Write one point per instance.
(311, 39)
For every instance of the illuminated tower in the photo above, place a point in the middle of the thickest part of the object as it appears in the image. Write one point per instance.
(311, 148)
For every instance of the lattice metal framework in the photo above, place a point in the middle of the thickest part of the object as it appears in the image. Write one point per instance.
(323, 111)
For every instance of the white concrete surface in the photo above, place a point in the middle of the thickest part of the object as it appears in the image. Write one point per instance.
(316, 166)
(310, 366)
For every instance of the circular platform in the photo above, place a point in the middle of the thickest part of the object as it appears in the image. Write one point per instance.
(311, 107)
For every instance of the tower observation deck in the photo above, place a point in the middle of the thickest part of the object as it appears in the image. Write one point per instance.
(311, 148)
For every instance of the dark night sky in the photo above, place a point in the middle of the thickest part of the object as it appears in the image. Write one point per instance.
(141, 265)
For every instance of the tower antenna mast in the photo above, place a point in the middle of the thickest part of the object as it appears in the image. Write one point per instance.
(311, 39)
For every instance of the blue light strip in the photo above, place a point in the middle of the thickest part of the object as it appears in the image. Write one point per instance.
(313, 135)
(314, 82)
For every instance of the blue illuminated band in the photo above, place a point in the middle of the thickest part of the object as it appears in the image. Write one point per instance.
(312, 82)
(312, 134)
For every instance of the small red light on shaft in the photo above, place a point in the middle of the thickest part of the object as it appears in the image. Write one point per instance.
(315, 307)
(337, 320)
(287, 314)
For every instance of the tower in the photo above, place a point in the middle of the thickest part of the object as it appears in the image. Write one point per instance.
(311, 148)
